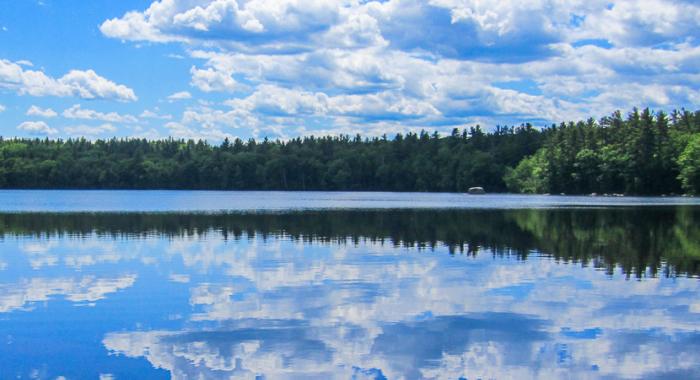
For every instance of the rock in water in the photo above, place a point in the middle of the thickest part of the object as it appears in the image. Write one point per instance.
(476, 190)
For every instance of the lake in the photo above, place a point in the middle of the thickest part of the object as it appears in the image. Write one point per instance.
(269, 285)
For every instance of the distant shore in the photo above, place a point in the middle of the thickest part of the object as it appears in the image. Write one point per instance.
(644, 153)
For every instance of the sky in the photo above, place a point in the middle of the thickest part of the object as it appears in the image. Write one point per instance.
(213, 69)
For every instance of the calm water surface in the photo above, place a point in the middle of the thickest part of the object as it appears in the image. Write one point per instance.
(553, 288)
(216, 201)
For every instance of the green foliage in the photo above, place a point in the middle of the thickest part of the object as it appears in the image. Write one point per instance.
(530, 176)
(411, 162)
(646, 153)
(643, 154)
(689, 162)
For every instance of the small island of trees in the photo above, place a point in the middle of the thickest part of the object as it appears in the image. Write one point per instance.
(645, 153)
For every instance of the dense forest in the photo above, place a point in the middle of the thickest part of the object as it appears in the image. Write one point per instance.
(642, 153)
(414, 162)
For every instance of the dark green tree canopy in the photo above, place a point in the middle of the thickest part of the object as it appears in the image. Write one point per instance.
(644, 153)
(411, 162)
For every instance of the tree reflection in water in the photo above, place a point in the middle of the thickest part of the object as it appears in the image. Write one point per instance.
(640, 240)
(353, 294)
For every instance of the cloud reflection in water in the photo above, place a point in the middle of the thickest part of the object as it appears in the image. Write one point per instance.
(269, 304)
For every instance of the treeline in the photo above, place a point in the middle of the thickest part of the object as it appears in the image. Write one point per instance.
(643, 153)
(411, 162)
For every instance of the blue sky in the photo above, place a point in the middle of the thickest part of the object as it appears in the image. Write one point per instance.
(283, 68)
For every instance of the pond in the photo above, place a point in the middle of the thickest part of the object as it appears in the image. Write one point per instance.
(348, 285)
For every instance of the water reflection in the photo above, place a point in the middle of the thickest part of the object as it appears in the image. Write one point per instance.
(635, 239)
(352, 294)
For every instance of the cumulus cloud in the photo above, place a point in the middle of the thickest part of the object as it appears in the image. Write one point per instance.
(267, 22)
(89, 85)
(179, 130)
(182, 95)
(492, 31)
(368, 66)
(87, 130)
(154, 114)
(38, 111)
(458, 28)
(77, 112)
(77, 83)
(36, 128)
(647, 23)
(209, 80)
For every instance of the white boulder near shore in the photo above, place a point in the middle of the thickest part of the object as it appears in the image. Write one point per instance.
(476, 190)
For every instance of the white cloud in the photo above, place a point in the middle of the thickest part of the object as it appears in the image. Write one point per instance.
(89, 85)
(181, 131)
(137, 26)
(645, 23)
(143, 133)
(87, 130)
(367, 66)
(37, 111)
(210, 118)
(154, 114)
(273, 100)
(209, 80)
(77, 112)
(180, 278)
(264, 20)
(36, 128)
(293, 25)
(78, 83)
(2, 108)
(182, 95)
